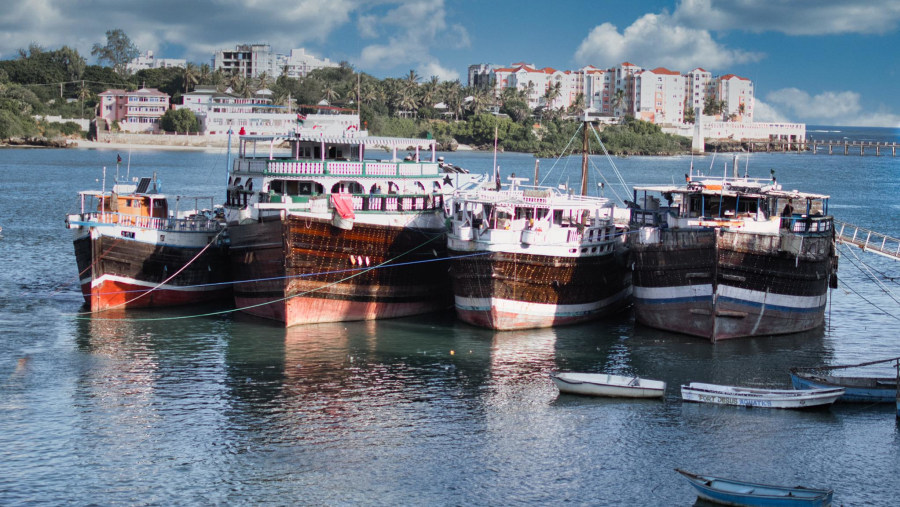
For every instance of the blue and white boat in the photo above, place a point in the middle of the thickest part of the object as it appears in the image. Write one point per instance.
(857, 389)
(734, 492)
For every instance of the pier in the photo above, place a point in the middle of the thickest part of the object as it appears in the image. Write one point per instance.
(861, 148)
(854, 147)
(867, 240)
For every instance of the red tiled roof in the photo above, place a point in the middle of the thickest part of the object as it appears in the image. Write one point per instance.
(730, 76)
(663, 70)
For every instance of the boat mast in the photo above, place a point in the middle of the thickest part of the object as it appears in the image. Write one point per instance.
(584, 157)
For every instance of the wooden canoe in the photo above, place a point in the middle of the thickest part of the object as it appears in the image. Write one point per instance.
(604, 384)
(734, 492)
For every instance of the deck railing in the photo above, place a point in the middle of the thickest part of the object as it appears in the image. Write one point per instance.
(296, 167)
(161, 224)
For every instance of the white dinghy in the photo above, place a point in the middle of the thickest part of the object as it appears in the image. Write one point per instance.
(753, 397)
(604, 384)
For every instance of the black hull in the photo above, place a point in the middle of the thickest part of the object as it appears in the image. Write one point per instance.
(725, 284)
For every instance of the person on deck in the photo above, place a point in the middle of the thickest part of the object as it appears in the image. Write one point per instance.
(788, 209)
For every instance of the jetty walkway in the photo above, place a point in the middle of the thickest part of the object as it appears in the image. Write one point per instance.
(861, 148)
(867, 240)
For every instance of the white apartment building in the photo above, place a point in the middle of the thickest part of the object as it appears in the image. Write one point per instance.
(148, 61)
(299, 63)
(251, 60)
(248, 60)
(698, 85)
(219, 112)
(659, 96)
(737, 94)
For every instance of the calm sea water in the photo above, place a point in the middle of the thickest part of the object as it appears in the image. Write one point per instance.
(157, 408)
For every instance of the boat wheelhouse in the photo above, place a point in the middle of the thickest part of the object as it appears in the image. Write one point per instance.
(325, 225)
(531, 257)
(731, 257)
(132, 252)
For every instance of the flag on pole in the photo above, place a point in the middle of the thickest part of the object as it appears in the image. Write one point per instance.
(496, 167)
(118, 158)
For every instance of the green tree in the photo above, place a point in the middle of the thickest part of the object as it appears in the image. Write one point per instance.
(179, 120)
(618, 101)
(190, 76)
(118, 51)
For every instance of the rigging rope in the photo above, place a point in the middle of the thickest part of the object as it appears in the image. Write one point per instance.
(383, 265)
(162, 282)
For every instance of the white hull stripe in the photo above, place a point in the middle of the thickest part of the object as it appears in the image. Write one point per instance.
(535, 309)
(150, 285)
(728, 294)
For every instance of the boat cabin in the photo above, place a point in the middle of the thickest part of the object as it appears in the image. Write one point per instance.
(328, 155)
(744, 203)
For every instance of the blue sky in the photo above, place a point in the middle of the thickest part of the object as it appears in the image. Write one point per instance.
(831, 62)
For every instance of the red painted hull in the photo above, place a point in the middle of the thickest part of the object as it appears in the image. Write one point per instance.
(110, 294)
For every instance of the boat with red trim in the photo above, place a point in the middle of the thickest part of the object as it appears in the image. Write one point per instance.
(322, 231)
(132, 252)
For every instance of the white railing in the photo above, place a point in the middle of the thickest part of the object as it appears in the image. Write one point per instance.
(867, 240)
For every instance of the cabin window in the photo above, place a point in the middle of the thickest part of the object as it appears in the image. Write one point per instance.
(343, 187)
(393, 188)
(250, 184)
(376, 189)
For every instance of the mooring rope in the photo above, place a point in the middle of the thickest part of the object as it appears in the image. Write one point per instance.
(160, 284)
(383, 265)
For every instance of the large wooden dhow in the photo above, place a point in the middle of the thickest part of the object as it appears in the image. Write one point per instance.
(531, 257)
(320, 233)
(132, 254)
(731, 257)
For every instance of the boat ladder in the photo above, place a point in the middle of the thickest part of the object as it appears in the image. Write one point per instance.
(867, 240)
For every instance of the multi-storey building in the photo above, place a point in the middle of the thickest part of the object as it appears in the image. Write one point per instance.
(137, 111)
(698, 85)
(659, 96)
(248, 60)
(299, 63)
(737, 95)
(219, 112)
(148, 61)
(251, 60)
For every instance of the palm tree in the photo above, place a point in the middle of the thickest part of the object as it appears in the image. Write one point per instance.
(83, 93)
(264, 81)
(189, 76)
(553, 92)
(578, 104)
(329, 93)
(204, 74)
(618, 101)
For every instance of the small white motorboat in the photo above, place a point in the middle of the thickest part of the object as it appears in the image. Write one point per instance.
(753, 397)
(604, 384)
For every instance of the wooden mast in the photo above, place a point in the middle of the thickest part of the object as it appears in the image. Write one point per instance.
(584, 158)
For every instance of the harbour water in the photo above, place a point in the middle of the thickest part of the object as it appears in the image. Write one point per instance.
(162, 407)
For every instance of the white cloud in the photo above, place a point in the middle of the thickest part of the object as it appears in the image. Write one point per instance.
(797, 17)
(657, 40)
(826, 108)
(428, 69)
(763, 112)
(417, 27)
